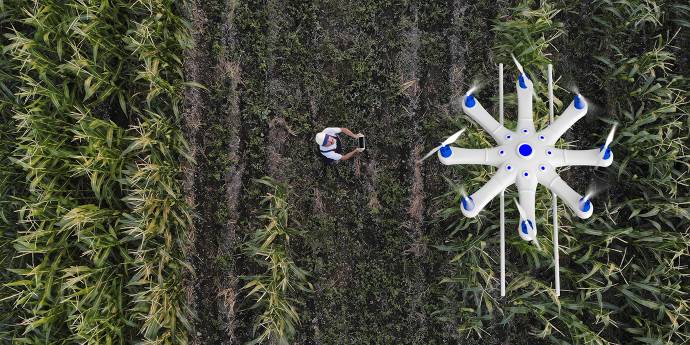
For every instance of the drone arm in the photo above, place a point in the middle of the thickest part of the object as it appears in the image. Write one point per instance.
(591, 157)
(525, 94)
(575, 111)
(527, 190)
(502, 179)
(471, 156)
(475, 110)
(569, 196)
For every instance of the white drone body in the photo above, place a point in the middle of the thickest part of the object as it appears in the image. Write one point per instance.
(526, 157)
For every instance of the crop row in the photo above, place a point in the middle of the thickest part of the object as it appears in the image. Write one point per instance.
(94, 218)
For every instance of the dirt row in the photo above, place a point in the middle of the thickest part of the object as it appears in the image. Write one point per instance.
(213, 183)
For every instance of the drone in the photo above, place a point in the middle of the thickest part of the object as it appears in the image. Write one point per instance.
(525, 157)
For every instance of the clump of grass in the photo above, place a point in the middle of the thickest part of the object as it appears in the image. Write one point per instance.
(528, 34)
(274, 290)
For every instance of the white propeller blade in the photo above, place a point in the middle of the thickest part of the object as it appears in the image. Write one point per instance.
(587, 197)
(451, 139)
(429, 154)
(523, 217)
(519, 66)
(522, 71)
(471, 91)
(464, 193)
(609, 139)
(522, 212)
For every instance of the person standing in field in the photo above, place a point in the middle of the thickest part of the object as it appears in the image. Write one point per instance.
(330, 146)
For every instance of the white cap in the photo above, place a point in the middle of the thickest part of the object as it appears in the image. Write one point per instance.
(320, 137)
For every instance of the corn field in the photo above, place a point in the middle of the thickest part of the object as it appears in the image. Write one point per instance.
(94, 218)
(159, 181)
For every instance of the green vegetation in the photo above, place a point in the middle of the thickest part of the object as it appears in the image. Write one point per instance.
(92, 200)
(130, 211)
(273, 290)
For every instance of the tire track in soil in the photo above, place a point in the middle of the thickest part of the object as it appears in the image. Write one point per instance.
(195, 102)
(229, 73)
(277, 91)
(457, 51)
(409, 69)
(211, 287)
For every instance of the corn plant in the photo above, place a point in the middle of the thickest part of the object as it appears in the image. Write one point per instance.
(10, 179)
(527, 34)
(94, 92)
(274, 291)
(155, 228)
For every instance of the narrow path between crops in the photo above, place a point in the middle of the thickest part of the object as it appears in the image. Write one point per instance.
(214, 182)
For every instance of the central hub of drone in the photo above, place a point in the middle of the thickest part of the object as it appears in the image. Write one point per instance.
(525, 150)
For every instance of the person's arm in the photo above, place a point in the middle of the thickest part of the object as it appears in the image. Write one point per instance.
(348, 133)
(350, 154)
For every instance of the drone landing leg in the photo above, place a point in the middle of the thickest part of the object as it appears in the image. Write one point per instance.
(554, 200)
(502, 197)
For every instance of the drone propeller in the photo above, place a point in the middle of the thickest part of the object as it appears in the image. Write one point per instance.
(593, 189)
(472, 90)
(587, 196)
(609, 139)
(519, 66)
(522, 73)
(463, 191)
(467, 202)
(523, 214)
(525, 220)
(451, 139)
